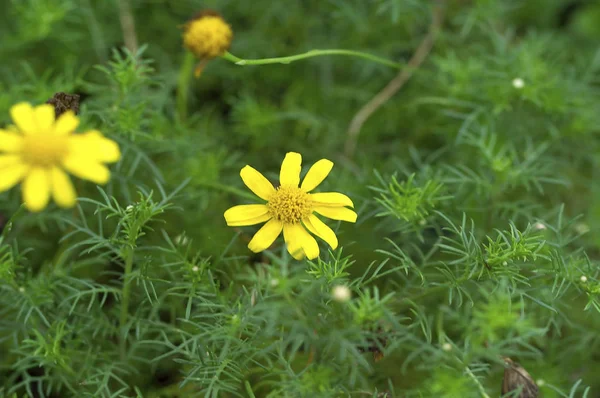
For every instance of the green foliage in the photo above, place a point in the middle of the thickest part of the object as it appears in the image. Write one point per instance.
(475, 185)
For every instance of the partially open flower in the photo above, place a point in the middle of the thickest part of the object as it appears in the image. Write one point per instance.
(207, 36)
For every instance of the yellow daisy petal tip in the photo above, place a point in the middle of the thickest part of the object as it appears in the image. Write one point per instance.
(265, 236)
(296, 253)
(291, 166)
(45, 114)
(20, 106)
(257, 182)
(23, 116)
(242, 215)
(66, 123)
(316, 174)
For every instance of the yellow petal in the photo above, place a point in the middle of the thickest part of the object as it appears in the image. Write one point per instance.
(87, 169)
(293, 241)
(336, 213)
(257, 183)
(8, 161)
(24, 117)
(317, 173)
(300, 242)
(94, 146)
(44, 117)
(290, 169)
(66, 123)
(309, 244)
(265, 236)
(10, 142)
(319, 228)
(63, 191)
(334, 199)
(36, 189)
(242, 215)
(12, 175)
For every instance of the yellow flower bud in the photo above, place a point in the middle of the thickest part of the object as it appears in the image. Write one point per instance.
(207, 35)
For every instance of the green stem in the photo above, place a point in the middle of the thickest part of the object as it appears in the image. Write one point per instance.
(125, 302)
(309, 54)
(479, 386)
(183, 85)
(249, 389)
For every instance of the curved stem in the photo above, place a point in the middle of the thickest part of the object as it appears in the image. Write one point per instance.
(397, 82)
(309, 54)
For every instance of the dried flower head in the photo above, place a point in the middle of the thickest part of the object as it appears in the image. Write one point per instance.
(207, 35)
(516, 378)
(63, 102)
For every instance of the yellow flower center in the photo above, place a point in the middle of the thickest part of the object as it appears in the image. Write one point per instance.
(207, 36)
(290, 204)
(44, 150)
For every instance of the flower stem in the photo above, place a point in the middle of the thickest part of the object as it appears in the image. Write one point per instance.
(125, 302)
(183, 85)
(309, 54)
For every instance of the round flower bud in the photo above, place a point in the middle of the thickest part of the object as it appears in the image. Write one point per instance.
(583, 278)
(341, 293)
(207, 35)
(518, 83)
(447, 347)
(540, 382)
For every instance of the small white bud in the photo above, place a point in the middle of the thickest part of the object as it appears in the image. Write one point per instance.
(582, 228)
(129, 208)
(504, 263)
(540, 382)
(195, 268)
(583, 278)
(341, 293)
(447, 347)
(21, 289)
(181, 240)
(539, 226)
(274, 282)
(422, 222)
(518, 83)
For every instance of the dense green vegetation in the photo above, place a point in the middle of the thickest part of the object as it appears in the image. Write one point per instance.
(474, 179)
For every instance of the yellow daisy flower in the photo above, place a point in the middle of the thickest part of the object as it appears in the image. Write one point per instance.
(207, 36)
(291, 208)
(39, 149)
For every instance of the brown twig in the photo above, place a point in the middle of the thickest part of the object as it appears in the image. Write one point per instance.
(128, 26)
(396, 84)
